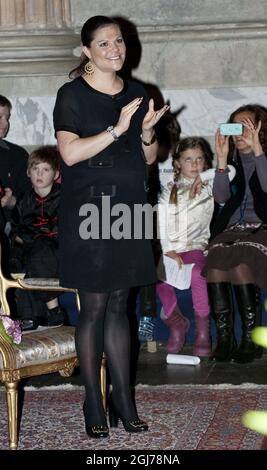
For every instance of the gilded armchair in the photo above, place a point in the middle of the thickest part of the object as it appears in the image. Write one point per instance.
(40, 352)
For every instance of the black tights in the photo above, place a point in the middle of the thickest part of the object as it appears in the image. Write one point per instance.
(239, 275)
(103, 326)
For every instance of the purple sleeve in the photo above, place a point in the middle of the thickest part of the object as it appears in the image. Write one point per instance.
(221, 186)
(261, 169)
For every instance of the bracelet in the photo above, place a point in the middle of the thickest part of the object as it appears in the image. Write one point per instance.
(111, 130)
(154, 138)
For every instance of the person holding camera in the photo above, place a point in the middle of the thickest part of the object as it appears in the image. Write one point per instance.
(237, 253)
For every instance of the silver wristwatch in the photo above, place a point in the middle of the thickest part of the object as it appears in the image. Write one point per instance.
(110, 129)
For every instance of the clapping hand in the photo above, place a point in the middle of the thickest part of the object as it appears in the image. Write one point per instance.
(152, 117)
(126, 115)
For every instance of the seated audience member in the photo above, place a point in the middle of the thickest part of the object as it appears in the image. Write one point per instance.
(35, 230)
(184, 234)
(237, 254)
(13, 163)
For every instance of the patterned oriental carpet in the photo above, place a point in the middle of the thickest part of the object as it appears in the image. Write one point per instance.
(180, 418)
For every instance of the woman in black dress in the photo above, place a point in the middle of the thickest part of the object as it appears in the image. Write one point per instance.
(237, 255)
(105, 134)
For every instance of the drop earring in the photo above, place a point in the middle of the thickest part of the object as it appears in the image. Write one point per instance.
(89, 68)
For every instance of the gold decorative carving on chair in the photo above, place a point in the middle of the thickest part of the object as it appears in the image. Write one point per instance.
(40, 352)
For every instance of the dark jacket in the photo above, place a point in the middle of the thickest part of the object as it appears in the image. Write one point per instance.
(35, 216)
(13, 171)
(13, 167)
(2, 220)
(238, 186)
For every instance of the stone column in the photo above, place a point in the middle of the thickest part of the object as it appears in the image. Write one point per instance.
(7, 13)
(31, 14)
(36, 37)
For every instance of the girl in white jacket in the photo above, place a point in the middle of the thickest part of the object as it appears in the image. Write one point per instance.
(184, 219)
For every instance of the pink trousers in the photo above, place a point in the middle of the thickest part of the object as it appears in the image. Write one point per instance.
(167, 293)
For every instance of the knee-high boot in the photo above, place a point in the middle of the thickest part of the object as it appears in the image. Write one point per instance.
(220, 297)
(249, 305)
(178, 326)
(202, 346)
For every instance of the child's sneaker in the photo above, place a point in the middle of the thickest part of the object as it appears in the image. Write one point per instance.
(146, 329)
(28, 324)
(55, 317)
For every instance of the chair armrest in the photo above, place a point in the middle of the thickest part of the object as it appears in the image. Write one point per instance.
(42, 284)
(17, 275)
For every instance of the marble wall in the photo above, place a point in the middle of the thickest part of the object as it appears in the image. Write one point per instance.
(205, 109)
(207, 56)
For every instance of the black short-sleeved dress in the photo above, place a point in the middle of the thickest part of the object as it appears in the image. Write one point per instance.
(117, 175)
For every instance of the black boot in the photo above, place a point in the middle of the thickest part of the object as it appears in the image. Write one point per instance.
(221, 303)
(249, 305)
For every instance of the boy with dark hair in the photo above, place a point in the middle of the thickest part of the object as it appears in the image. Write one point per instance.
(35, 231)
(13, 163)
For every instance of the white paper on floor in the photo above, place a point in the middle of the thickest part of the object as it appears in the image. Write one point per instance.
(182, 359)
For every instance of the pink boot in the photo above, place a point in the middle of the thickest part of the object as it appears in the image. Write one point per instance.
(178, 325)
(202, 346)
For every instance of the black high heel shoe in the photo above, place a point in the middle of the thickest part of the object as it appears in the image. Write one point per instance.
(96, 431)
(136, 425)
